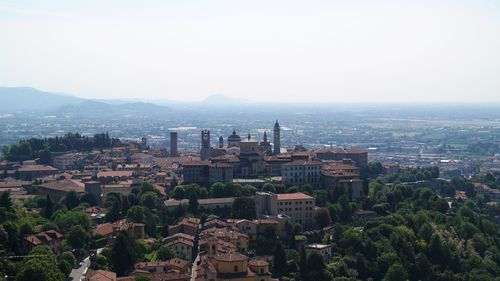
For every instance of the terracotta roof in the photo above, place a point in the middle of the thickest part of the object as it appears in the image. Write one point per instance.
(180, 241)
(196, 163)
(113, 174)
(43, 237)
(109, 228)
(303, 163)
(257, 262)
(66, 185)
(339, 166)
(341, 150)
(231, 257)
(100, 275)
(293, 196)
(36, 168)
(172, 263)
(179, 235)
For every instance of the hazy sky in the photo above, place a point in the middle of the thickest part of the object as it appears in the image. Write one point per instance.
(335, 51)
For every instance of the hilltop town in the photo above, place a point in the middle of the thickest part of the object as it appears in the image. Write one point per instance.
(239, 209)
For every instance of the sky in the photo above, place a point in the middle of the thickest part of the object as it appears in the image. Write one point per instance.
(260, 50)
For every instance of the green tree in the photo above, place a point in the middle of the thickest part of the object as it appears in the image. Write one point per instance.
(165, 253)
(45, 157)
(49, 207)
(5, 201)
(41, 266)
(303, 262)
(64, 267)
(78, 237)
(149, 199)
(269, 187)
(136, 214)
(71, 200)
(322, 217)
(69, 257)
(280, 264)
(315, 268)
(396, 273)
(122, 254)
(243, 208)
(114, 213)
(193, 202)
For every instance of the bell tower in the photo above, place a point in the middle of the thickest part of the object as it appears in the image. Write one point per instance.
(277, 138)
(205, 145)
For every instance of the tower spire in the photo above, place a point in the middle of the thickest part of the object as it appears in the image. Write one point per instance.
(277, 138)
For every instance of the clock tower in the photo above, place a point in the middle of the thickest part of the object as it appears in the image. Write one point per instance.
(205, 144)
(277, 136)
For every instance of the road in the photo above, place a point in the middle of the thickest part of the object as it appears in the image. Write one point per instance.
(195, 268)
(78, 273)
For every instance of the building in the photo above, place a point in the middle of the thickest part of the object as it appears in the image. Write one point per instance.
(233, 140)
(59, 189)
(298, 206)
(227, 234)
(50, 238)
(358, 155)
(363, 216)
(277, 138)
(163, 266)
(302, 172)
(206, 173)
(220, 172)
(182, 248)
(265, 145)
(324, 250)
(107, 177)
(71, 161)
(32, 172)
(205, 145)
(233, 266)
(221, 142)
(100, 275)
(195, 172)
(217, 205)
(353, 187)
(173, 144)
(187, 226)
(111, 230)
(251, 164)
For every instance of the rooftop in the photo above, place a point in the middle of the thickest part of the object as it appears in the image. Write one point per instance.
(294, 196)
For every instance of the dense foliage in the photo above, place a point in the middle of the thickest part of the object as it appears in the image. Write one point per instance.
(416, 236)
(43, 148)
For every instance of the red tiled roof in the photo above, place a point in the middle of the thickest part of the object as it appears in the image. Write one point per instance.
(303, 162)
(36, 168)
(294, 196)
(100, 275)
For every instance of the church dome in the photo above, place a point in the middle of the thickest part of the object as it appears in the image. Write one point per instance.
(234, 137)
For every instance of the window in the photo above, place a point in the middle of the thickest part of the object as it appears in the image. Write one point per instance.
(235, 268)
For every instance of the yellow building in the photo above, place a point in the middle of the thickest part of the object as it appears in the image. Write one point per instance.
(234, 267)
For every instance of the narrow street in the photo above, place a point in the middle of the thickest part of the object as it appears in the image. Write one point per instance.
(78, 273)
(195, 268)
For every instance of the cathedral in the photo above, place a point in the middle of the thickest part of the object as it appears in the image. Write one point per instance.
(234, 144)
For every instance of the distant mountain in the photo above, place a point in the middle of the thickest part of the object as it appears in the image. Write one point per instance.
(91, 108)
(24, 99)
